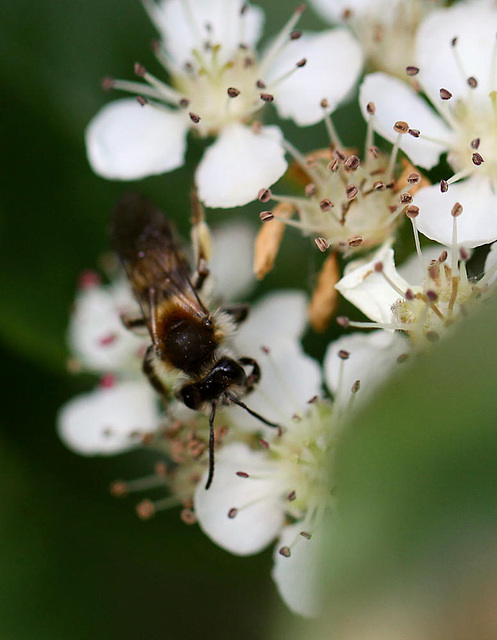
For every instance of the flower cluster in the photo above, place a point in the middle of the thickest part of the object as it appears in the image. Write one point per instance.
(431, 92)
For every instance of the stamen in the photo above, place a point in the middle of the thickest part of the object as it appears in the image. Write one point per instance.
(330, 127)
(281, 41)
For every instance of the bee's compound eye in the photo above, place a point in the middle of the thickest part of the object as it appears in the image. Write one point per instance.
(191, 397)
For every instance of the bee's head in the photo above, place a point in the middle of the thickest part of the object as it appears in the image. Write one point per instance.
(224, 374)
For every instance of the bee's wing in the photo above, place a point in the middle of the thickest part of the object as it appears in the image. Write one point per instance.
(157, 270)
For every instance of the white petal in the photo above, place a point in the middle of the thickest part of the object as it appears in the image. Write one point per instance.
(396, 101)
(107, 421)
(476, 225)
(126, 141)
(232, 259)
(97, 336)
(372, 359)
(238, 164)
(277, 319)
(369, 291)
(381, 11)
(258, 499)
(183, 31)
(298, 577)
(334, 62)
(474, 25)
(290, 378)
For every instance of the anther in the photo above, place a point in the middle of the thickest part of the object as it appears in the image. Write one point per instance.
(453, 42)
(445, 94)
(352, 163)
(260, 85)
(475, 143)
(264, 443)
(324, 103)
(88, 279)
(464, 254)
(412, 211)
(266, 216)
(472, 82)
(378, 267)
(379, 185)
(351, 191)
(145, 509)
(107, 340)
(344, 355)
(184, 103)
(432, 295)
(322, 244)
(409, 294)
(301, 63)
(264, 195)
(477, 159)
(107, 83)
(412, 71)
(194, 117)
(413, 178)
(415, 133)
(301, 8)
(444, 186)
(356, 386)
(443, 256)
(107, 381)
(295, 35)
(456, 210)
(401, 127)
(356, 241)
(371, 108)
(326, 204)
(140, 70)
(232, 512)
(374, 152)
(406, 198)
(242, 474)
(188, 516)
(285, 552)
(306, 535)
(343, 321)
(402, 358)
(265, 350)
(310, 190)
(233, 92)
(142, 101)
(118, 489)
(266, 97)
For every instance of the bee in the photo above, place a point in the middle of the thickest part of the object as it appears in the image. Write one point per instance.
(186, 337)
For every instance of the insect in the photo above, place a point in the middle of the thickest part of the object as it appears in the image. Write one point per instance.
(186, 336)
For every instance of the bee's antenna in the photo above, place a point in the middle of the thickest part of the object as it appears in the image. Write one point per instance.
(252, 412)
(211, 447)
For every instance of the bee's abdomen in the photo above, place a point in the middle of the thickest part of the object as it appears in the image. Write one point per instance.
(188, 343)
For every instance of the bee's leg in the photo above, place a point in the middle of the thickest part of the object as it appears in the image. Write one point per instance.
(201, 240)
(237, 312)
(254, 377)
(210, 477)
(133, 322)
(149, 371)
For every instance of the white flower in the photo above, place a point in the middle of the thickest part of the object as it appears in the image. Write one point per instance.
(455, 55)
(424, 309)
(217, 85)
(385, 28)
(283, 489)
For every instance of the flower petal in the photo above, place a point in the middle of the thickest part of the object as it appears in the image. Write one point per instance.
(476, 225)
(395, 101)
(297, 577)
(238, 164)
(369, 291)
(260, 514)
(109, 420)
(97, 336)
(232, 258)
(372, 359)
(290, 378)
(333, 64)
(277, 319)
(214, 21)
(126, 141)
(443, 65)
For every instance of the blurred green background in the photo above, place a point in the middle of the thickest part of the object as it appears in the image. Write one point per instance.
(74, 562)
